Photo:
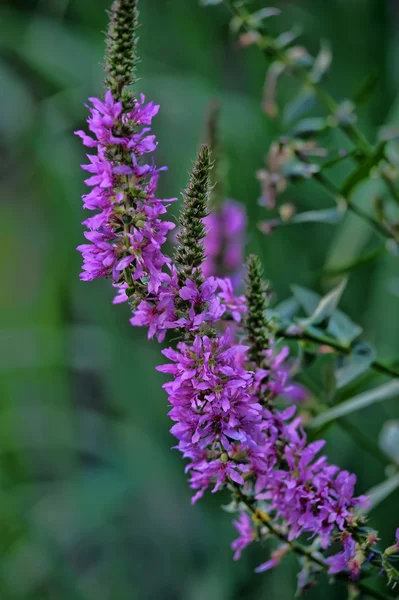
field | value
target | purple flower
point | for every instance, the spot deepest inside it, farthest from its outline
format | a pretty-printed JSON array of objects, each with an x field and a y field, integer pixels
[
  {"x": 277, "y": 555},
  {"x": 212, "y": 406},
  {"x": 348, "y": 559},
  {"x": 246, "y": 534},
  {"x": 234, "y": 305},
  {"x": 127, "y": 233},
  {"x": 225, "y": 241}
]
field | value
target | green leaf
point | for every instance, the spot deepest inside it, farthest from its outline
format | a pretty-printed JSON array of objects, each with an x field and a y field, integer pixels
[
  {"x": 381, "y": 491},
  {"x": 362, "y": 260},
  {"x": 340, "y": 325},
  {"x": 299, "y": 106},
  {"x": 378, "y": 394},
  {"x": 391, "y": 573},
  {"x": 330, "y": 216},
  {"x": 264, "y": 13},
  {"x": 363, "y": 171},
  {"x": 327, "y": 306},
  {"x": 366, "y": 88},
  {"x": 388, "y": 133},
  {"x": 297, "y": 169},
  {"x": 287, "y": 37},
  {"x": 343, "y": 328},
  {"x": 322, "y": 63},
  {"x": 287, "y": 308},
  {"x": 355, "y": 364},
  {"x": 309, "y": 126},
  {"x": 306, "y": 298},
  {"x": 389, "y": 440}
]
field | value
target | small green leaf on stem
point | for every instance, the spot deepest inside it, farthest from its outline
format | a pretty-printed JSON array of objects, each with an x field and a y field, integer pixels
[{"x": 356, "y": 363}]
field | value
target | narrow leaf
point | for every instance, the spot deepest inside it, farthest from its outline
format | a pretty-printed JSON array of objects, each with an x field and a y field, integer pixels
[
  {"x": 389, "y": 440},
  {"x": 366, "y": 88},
  {"x": 355, "y": 364},
  {"x": 287, "y": 308},
  {"x": 322, "y": 63},
  {"x": 306, "y": 298},
  {"x": 299, "y": 106},
  {"x": 343, "y": 328},
  {"x": 329, "y": 216},
  {"x": 309, "y": 126},
  {"x": 340, "y": 325},
  {"x": 265, "y": 13},
  {"x": 378, "y": 394},
  {"x": 381, "y": 491},
  {"x": 327, "y": 305},
  {"x": 364, "y": 259},
  {"x": 363, "y": 171}
]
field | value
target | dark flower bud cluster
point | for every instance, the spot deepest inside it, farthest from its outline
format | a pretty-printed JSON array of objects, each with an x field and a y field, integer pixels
[{"x": 121, "y": 55}]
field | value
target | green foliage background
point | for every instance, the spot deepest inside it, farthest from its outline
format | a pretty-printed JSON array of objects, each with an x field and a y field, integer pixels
[{"x": 93, "y": 502}]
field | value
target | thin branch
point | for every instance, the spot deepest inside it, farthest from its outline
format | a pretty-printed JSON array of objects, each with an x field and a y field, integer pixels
[
  {"x": 302, "y": 550},
  {"x": 273, "y": 52},
  {"x": 326, "y": 340},
  {"x": 350, "y": 130}
]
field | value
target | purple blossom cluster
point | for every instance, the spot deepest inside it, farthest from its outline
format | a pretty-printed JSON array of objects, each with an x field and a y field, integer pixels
[
  {"x": 231, "y": 439},
  {"x": 127, "y": 232},
  {"x": 225, "y": 404},
  {"x": 222, "y": 424},
  {"x": 225, "y": 241}
]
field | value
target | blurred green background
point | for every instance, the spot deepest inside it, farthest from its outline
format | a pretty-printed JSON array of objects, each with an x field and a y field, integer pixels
[{"x": 93, "y": 501}]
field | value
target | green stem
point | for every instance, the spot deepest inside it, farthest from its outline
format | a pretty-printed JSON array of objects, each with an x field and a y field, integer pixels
[
  {"x": 381, "y": 228},
  {"x": 322, "y": 339},
  {"x": 378, "y": 227},
  {"x": 391, "y": 187},
  {"x": 302, "y": 550},
  {"x": 350, "y": 130},
  {"x": 271, "y": 51}
]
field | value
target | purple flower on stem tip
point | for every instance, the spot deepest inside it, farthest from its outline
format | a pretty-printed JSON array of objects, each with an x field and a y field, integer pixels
[
  {"x": 277, "y": 555},
  {"x": 127, "y": 233},
  {"x": 246, "y": 534},
  {"x": 349, "y": 559}
]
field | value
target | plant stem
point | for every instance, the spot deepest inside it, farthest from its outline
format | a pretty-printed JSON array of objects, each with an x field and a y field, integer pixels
[
  {"x": 326, "y": 340},
  {"x": 271, "y": 51},
  {"x": 391, "y": 187},
  {"x": 302, "y": 550},
  {"x": 378, "y": 227},
  {"x": 350, "y": 130}
]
